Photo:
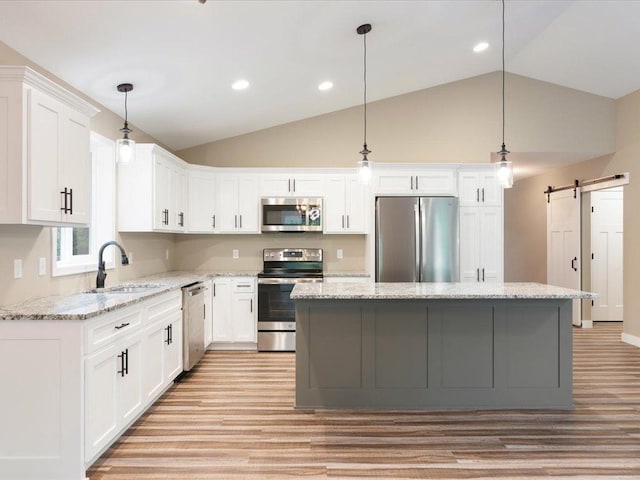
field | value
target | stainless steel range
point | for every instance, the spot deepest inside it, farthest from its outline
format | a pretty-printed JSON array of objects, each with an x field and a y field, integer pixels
[{"x": 283, "y": 268}]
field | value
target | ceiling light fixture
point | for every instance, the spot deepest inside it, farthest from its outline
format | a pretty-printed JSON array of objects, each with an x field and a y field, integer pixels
[
  {"x": 125, "y": 147},
  {"x": 504, "y": 168},
  {"x": 240, "y": 85},
  {"x": 480, "y": 47},
  {"x": 328, "y": 85},
  {"x": 365, "y": 163}
]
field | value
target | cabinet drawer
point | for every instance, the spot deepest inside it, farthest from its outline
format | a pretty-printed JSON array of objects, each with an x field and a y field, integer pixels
[
  {"x": 112, "y": 326},
  {"x": 243, "y": 286},
  {"x": 163, "y": 306}
]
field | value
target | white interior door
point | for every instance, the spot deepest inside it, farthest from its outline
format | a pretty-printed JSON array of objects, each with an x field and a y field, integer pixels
[
  {"x": 606, "y": 258},
  {"x": 563, "y": 244}
]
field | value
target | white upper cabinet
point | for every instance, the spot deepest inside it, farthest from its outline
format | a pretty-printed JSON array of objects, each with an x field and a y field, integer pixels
[
  {"x": 239, "y": 203},
  {"x": 344, "y": 205},
  {"x": 481, "y": 244},
  {"x": 414, "y": 180},
  {"x": 44, "y": 131},
  {"x": 298, "y": 185},
  {"x": 202, "y": 202},
  {"x": 479, "y": 186},
  {"x": 151, "y": 192}
]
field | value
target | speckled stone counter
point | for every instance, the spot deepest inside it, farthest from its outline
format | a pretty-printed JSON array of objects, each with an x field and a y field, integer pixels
[
  {"x": 346, "y": 274},
  {"x": 406, "y": 291},
  {"x": 430, "y": 345},
  {"x": 84, "y": 305}
]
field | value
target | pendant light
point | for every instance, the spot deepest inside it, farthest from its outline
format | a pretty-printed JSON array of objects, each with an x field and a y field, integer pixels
[
  {"x": 504, "y": 168},
  {"x": 365, "y": 164},
  {"x": 126, "y": 147}
]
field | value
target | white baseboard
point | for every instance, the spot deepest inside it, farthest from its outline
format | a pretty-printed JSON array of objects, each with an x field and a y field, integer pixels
[
  {"x": 630, "y": 339},
  {"x": 587, "y": 324},
  {"x": 233, "y": 346}
]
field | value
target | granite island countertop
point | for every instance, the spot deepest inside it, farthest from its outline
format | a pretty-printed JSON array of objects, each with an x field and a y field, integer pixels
[
  {"x": 426, "y": 291},
  {"x": 88, "y": 304}
]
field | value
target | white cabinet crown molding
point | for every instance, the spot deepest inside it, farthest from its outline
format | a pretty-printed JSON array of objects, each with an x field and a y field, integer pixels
[{"x": 30, "y": 77}]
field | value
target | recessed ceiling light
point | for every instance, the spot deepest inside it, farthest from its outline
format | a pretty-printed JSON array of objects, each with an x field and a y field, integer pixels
[
  {"x": 240, "y": 85},
  {"x": 481, "y": 47},
  {"x": 328, "y": 85}
]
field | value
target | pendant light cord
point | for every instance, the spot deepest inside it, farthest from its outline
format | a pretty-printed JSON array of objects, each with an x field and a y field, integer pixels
[
  {"x": 503, "y": 115},
  {"x": 126, "y": 115},
  {"x": 365, "y": 89}
]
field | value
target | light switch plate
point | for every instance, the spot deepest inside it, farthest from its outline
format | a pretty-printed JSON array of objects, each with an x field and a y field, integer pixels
[
  {"x": 235, "y": 253},
  {"x": 340, "y": 254},
  {"x": 166, "y": 254},
  {"x": 42, "y": 266},
  {"x": 17, "y": 268}
]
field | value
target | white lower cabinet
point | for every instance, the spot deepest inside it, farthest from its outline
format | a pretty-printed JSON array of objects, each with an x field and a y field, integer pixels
[
  {"x": 131, "y": 368},
  {"x": 208, "y": 307},
  {"x": 481, "y": 244},
  {"x": 234, "y": 312}
]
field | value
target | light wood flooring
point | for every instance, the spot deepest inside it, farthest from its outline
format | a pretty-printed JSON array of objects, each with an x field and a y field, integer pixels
[{"x": 233, "y": 418}]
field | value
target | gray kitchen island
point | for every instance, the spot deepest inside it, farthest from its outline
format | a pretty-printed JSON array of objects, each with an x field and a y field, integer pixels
[{"x": 433, "y": 345}]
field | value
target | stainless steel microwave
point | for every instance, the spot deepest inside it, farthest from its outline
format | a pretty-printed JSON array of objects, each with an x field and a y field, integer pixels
[{"x": 291, "y": 214}]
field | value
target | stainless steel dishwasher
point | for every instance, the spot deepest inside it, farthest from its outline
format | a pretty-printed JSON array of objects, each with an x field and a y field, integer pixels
[{"x": 193, "y": 314}]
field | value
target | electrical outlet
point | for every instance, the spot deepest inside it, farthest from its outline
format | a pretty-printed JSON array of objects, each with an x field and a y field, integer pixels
[
  {"x": 340, "y": 254},
  {"x": 130, "y": 257},
  {"x": 235, "y": 253},
  {"x": 42, "y": 266},
  {"x": 166, "y": 254},
  {"x": 17, "y": 268}
]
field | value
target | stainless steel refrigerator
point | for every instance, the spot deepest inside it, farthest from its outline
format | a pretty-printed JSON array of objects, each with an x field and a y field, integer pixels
[{"x": 417, "y": 239}]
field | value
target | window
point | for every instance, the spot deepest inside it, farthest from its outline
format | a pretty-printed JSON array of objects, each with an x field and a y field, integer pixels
[{"x": 75, "y": 249}]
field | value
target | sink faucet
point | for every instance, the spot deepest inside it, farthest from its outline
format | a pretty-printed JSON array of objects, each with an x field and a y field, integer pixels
[{"x": 102, "y": 274}]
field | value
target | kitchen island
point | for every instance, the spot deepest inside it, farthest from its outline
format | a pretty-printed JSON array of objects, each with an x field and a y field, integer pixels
[{"x": 433, "y": 345}]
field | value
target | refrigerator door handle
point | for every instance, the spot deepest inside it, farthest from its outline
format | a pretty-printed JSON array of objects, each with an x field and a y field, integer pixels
[
  {"x": 477, "y": 274},
  {"x": 418, "y": 235}
]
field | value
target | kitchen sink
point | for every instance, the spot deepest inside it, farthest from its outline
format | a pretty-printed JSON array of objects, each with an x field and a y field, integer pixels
[{"x": 124, "y": 289}]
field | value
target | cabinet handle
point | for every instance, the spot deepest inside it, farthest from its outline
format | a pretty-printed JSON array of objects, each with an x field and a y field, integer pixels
[
  {"x": 477, "y": 195},
  {"x": 243, "y": 285},
  {"x": 342, "y": 221},
  {"x": 121, "y": 371},
  {"x": 477, "y": 274},
  {"x": 214, "y": 289},
  {"x": 251, "y": 305},
  {"x": 168, "y": 340},
  {"x": 122, "y": 325},
  {"x": 483, "y": 274},
  {"x": 347, "y": 221},
  {"x": 126, "y": 361},
  {"x": 170, "y": 333},
  {"x": 482, "y": 194},
  {"x": 64, "y": 193},
  {"x": 294, "y": 185},
  {"x": 411, "y": 182},
  {"x": 235, "y": 218},
  {"x": 240, "y": 221},
  {"x": 204, "y": 311},
  {"x": 181, "y": 219},
  {"x": 213, "y": 221},
  {"x": 416, "y": 182},
  {"x": 71, "y": 201},
  {"x": 289, "y": 187},
  {"x": 575, "y": 259}
]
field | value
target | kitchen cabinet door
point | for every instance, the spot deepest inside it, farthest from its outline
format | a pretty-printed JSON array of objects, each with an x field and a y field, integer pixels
[
  {"x": 491, "y": 245},
  {"x": 479, "y": 187},
  {"x": 394, "y": 181},
  {"x": 491, "y": 193},
  {"x": 355, "y": 197},
  {"x": 101, "y": 400},
  {"x": 153, "y": 354},
  {"x": 177, "y": 193},
  {"x": 46, "y": 123},
  {"x": 275, "y": 185},
  {"x": 228, "y": 201},
  {"x": 75, "y": 168},
  {"x": 469, "y": 244},
  {"x": 335, "y": 205},
  {"x": 173, "y": 361},
  {"x": 162, "y": 194},
  {"x": 208, "y": 304},
  {"x": 430, "y": 181},
  {"x": 201, "y": 214},
  {"x": 243, "y": 311},
  {"x": 222, "y": 325},
  {"x": 130, "y": 398},
  {"x": 248, "y": 205},
  {"x": 308, "y": 185}
]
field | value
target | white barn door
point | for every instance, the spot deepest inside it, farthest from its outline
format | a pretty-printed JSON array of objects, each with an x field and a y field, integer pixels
[
  {"x": 563, "y": 244},
  {"x": 606, "y": 248}
]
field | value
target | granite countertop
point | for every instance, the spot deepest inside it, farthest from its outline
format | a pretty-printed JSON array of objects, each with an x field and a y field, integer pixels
[
  {"x": 452, "y": 291},
  {"x": 88, "y": 304}
]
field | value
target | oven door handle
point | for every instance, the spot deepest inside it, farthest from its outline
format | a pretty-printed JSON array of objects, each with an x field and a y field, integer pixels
[{"x": 287, "y": 281}]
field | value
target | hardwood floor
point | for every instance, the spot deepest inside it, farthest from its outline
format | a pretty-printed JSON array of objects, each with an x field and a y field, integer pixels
[{"x": 233, "y": 418}]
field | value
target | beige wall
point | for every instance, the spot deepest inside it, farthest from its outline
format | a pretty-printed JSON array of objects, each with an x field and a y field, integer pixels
[
  {"x": 456, "y": 122},
  {"x": 525, "y": 213},
  {"x": 29, "y": 243},
  {"x": 205, "y": 252}
]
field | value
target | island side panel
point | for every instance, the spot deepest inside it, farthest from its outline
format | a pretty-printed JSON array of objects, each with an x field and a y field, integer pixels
[{"x": 434, "y": 354}]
